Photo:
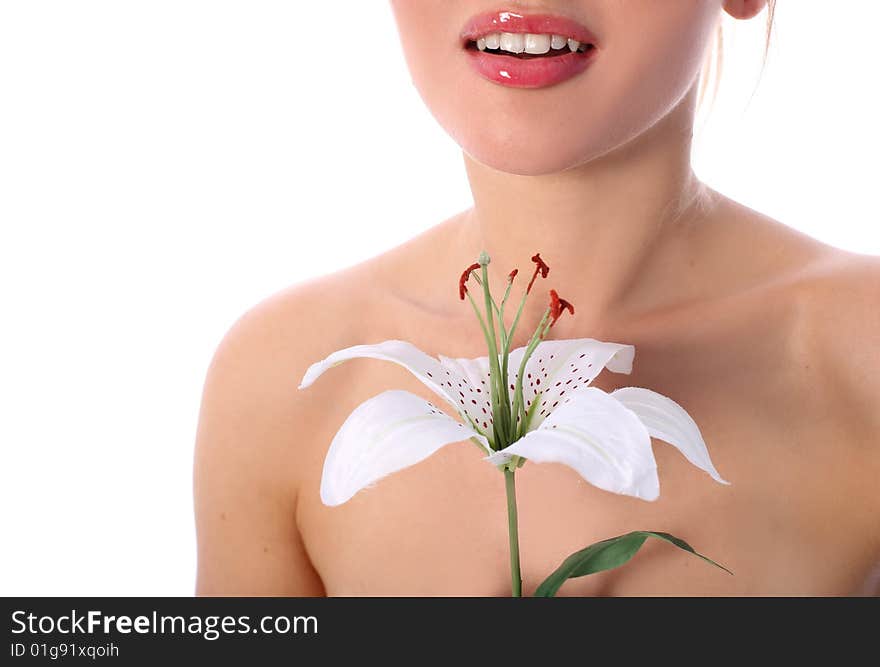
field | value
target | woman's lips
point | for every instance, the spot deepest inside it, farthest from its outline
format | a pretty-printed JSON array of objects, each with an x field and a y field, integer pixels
[
  {"x": 535, "y": 71},
  {"x": 531, "y": 73}
]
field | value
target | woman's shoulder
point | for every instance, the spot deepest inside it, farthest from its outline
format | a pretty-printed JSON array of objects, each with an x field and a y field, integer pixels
[
  {"x": 829, "y": 377},
  {"x": 255, "y": 435},
  {"x": 834, "y": 292},
  {"x": 251, "y": 407},
  {"x": 264, "y": 354},
  {"x": 819, "y": 305},
  {"x": 841, "y": 297},
  {"x": 827, "y": 300}
]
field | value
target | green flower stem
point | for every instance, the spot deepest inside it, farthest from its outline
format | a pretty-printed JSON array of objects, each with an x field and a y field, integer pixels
[
  {"x": 513, "y": 532},
  {"x": 530, "y": 413},
  {"x": 498, "y": 383},
  {"x": 516, "y": 320},
  {"x": 509, "y": 416},
  {"x": 505, "y": 355},
  {"x": 507, "y": 343},
  {"x": 479, "y": 317},
  {"x": 509, "y": 424},
  {"x": 504, "y": 302},
  {"x": 518, "y": 407},
  {"x": 504, "y": 396},
  {"x": 492, "y": 438},
  {"x": 502, "y": 329}
]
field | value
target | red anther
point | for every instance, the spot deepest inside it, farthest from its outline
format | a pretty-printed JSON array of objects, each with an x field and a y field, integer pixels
[
  {"x": 566, "y": 305},
  {"x": 462, "y": 290},
  {"x": 555, "y": 308},
  {"x": 512, "y": 275},
  {"x": 558, "y": 306},
  {"x": 539, "y": 266}
]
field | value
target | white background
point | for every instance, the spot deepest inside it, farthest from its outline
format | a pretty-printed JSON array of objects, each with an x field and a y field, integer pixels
[{"x": 164, "y": 165}]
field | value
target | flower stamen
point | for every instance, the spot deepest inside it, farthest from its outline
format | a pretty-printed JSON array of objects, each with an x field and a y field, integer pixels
[
  {"x": 462, "y": 290},
  {"x": 540, "y": 266},
  {"x": 557, "y": 306}
]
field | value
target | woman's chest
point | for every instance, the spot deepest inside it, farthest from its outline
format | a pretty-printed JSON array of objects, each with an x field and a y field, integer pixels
[
  {"x": 785, "y": 526},
  {"x": 792, "y": 522}
]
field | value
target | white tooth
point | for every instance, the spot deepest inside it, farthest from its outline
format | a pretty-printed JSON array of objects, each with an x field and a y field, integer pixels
[
  {"x": 493, "y": 41},
  {"x": 481, "y": 44},
  {"x": 558, "y": 41},
  {"x": 537, "y": 43},
  {"x": 573, "y": 44},
  {"x": 515, "y": 42}
]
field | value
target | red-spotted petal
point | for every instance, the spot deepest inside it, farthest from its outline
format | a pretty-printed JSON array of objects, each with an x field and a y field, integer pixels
[
  {"x": 557, "y": 368},
  {"x": 593, "y": 433}
]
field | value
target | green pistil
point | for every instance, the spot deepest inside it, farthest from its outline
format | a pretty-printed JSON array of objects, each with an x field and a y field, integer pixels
[
  {"x": 516, "y": 319},
  {"x": 518, "y": 403},
  {"x": 505, "y": 354},
  {"x": 499, "y": 422},
  {"x": 491, "y": 436},
  {"x": 530, "y": 413},
  {"x": 508, "y": 339},
  {"x": 504, "y": 300},
  {"x": 502, "y": 399}
]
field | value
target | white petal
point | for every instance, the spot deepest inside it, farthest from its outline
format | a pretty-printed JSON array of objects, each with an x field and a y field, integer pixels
[
  {"x": 606, "y": 443},
  {"x": 666, "y": 420},
  {"x": 384, "y": 434},
  {"x": 558, "y": 367},
  {"x": 425, "y": 367},
  {"x": 469, "y": 380}
]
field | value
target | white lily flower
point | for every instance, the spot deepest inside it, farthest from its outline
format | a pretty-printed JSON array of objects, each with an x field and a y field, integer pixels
[
  {"x": 532, "y": 403},
  {"x": 605, "y": 437}
]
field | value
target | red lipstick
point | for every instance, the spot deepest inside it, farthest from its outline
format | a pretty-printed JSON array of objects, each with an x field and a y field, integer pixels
[{"x": 527, "y": 70}]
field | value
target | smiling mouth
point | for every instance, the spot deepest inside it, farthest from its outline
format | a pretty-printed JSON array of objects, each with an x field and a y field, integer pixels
[{"x": 552, "y": 53}]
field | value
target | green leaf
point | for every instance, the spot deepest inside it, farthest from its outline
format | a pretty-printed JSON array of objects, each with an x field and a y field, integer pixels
[{"x": 606, "y": 555}]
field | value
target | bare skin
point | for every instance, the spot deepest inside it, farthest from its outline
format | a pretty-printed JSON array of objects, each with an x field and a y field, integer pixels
[
  {"x": 779, "y": 371},
  {"x": 768, "y": 338}
]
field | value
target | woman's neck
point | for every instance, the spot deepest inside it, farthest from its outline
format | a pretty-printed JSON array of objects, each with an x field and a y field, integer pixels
[{"x": 599, "y": 226}]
